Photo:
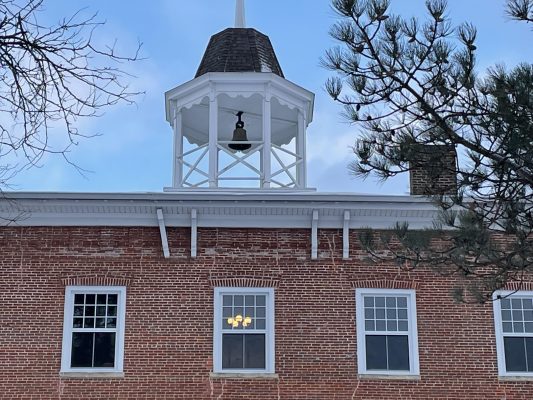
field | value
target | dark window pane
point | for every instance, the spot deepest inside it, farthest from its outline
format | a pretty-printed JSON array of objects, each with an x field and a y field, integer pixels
[
  {"x": 227, "y": 312},
  {"x": 376, "y": 352},
  {"x": 232, "y": 351},
  {"x": 515, "y": 354},
  {"x": 100, "y": 299},
  {"x": 380, "y": 301},
  {"x": 100, "y": 322},
  {"x": 89, "y": 323},
  {"x": 111, "y": 322},
  {"x": 238, "y": 300},
  {"x": 89, "y": 311},
  {"x": 505, "y": 304},
  {"x": 369, "y": 302},
  {"x": 506, "y": 315},
  {"x": 82, "y": 350},
  {"x": 90, "y": 298},
  {"x": 507, "y": 327},
  {"x": 391, "y": 302},
  {"x": 78, "y": 323},
  {"x": 104, "y": 350},
  {"x": 254, "y": 351},
  {"x": 78, "y": 311},
  {"x": 79, "y": 299},
  {"x": 517, "y": 315},
  {"x": 100, "y": 311},
  {"x": 249, "y": 312},
  {"x": 260, "y": 300},
  {"x": 392, "y": 326},
  {"x": 260, "y": 323},
  {"x": 249, "y": 300},
  {"x": 227, "y": 301},
  {"x": 402, "y": 302},
  {"x": 112, "y": 299},
  {"x": 529, "y": 354},
  {"x": 398, "y": 353},
  {"x": 111, "y": 310}
]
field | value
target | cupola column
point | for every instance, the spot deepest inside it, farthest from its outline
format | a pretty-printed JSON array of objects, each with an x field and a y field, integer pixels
[
  {"x": 178, "y": 148},
  {"x": 213, "y": 139},
  {"x": 267, "y": 140},
  {"x": 300, "y": 149}
]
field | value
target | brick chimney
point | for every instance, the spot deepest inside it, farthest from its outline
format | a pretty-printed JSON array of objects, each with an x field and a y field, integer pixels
[{"x": 434, "y": 172}]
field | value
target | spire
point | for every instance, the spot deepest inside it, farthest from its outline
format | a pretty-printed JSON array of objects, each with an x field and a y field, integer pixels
[{"x": 240, "y": 21}]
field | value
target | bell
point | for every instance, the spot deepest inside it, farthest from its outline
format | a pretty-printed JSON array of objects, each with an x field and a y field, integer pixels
[{"x": 239, "y": 135}]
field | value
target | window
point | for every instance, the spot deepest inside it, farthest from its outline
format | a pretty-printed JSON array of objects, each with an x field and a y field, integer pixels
[
  {"x": 387, "y": 342},
  {"x": 93, "y": 330},
  {"x": 513, "y": 317},
  {"x": 244, "y": 330}
]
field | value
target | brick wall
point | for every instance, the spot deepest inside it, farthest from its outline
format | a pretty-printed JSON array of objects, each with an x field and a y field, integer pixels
[
  {"x": 168, "y": 344},
  {"x": 433, "y": 171}
]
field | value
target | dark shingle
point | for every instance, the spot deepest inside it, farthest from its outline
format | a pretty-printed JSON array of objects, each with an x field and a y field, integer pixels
[{"x": 239, "y": 50}]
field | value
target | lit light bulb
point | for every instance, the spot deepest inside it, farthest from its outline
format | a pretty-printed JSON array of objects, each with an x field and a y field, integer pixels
[
  {"x": 245, "y": 324},
  {"x": 230, "y": 321},
  {"x": 238, "y": 318},
  {"x": 247, "y": 320},
  {"x": 235, "y": 324}
]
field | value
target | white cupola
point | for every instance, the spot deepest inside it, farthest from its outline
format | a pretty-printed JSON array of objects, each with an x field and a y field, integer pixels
[{"x": 239, "y": 123}]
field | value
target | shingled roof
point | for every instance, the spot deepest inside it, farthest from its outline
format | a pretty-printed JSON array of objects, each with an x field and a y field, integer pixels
[{"x": 239, "y": 50}]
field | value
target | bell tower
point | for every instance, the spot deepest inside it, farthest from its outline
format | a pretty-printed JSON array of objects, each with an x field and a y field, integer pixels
[{"x": 239, "y": 124}]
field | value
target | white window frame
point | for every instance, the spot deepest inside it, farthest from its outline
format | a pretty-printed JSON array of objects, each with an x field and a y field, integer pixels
[
  {"x": 500, "y": 348},
  {"x": 412, "y": 332},
  {"x": 269, "y": 331},
  {"x": 70, "y": 292}
]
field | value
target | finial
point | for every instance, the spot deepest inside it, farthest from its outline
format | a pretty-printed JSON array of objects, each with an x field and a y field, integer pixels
[{"x": 239, "y": 15}]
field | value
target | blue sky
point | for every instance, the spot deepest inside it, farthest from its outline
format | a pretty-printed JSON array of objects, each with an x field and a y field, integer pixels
[{"x": 133, "y": 151}]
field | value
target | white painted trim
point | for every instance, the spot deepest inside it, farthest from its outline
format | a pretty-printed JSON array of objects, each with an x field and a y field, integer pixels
[
  {"x": 346, "y": 235},
  {"x": 412, "y": 333},
  {"x": 270, "y": 341},
  {"x": 499, "y": 335},
  {"x": 219, "y": 209},
  {"x": 314, "y": 235},
  {"x": 163, "y": 233},
  {"x": 70, "y": 291},
  {"x": 194, "y": 233}
]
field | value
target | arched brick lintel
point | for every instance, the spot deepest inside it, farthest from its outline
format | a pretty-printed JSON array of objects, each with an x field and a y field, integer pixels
[
  {"x": 96, "y": 280},
  {"x": 385, "y": 284}
]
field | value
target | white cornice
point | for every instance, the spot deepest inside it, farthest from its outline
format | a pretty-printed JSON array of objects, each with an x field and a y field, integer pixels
[
  {"x": 216, "y": 209},
  {"x": 200, "y": 87}
]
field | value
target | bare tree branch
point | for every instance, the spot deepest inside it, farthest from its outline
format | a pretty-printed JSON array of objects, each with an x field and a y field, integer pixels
[{"x": 50, "y": 78}]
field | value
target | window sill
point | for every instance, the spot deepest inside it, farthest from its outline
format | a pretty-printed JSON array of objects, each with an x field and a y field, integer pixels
[
  {"x": 390, "y": 377},
  {"x": 91, "y": 375},
  {"x": 233, "y": 375},
  {"x": 511, "y": 378}
]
